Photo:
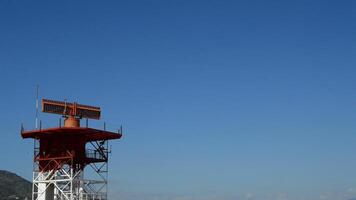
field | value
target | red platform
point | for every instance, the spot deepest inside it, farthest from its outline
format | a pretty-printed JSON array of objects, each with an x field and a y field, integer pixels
[
  {"x": 67, "y": 145},
  {"x": 89, "y": 134}
]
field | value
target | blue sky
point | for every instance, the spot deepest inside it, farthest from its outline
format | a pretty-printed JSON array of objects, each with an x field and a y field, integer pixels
[{"x": 250, "y": 100}]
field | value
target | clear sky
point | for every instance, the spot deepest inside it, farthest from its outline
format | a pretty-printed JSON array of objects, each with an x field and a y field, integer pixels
[{"x": 220, "y": 100}]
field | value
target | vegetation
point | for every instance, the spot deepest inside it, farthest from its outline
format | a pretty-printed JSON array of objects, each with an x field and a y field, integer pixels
[{"x": 14, "y": 187}]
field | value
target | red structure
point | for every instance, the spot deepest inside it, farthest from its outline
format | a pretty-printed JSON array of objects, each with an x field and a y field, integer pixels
[{"x": 68, "y": 149}]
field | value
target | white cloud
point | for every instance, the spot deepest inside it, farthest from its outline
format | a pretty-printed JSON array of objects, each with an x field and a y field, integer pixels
[
  {"x": 249, "y": 196},
  {"x": 328, "y": 195}
]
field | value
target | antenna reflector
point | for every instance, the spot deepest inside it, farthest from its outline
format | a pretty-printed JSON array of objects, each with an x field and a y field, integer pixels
[{"x": 74, "y": 109}]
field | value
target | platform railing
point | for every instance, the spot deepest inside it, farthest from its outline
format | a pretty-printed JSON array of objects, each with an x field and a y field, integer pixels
[
  {"x": 96, "y": 154},
  {"x": 60, "y": 125}
]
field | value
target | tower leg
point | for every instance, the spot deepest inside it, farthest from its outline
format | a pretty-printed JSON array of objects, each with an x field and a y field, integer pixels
[{"x": 43, "y": 189}]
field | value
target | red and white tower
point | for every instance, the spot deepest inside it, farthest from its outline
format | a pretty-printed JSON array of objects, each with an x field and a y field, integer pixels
[{"x": 70, "y": 161}]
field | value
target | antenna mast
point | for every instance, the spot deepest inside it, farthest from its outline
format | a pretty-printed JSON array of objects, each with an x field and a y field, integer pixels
[{"x": 36, "y": 121}]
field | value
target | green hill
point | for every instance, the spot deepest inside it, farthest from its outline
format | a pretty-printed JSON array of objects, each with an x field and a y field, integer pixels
[{"x": 14, "y": 187}]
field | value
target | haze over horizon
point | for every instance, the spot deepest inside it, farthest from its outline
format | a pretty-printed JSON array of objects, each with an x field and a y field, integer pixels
[{"x": 219, "y": 100}]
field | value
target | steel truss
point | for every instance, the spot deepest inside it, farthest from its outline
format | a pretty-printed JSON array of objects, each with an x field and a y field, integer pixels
[{"x": 58, "y": 180}]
